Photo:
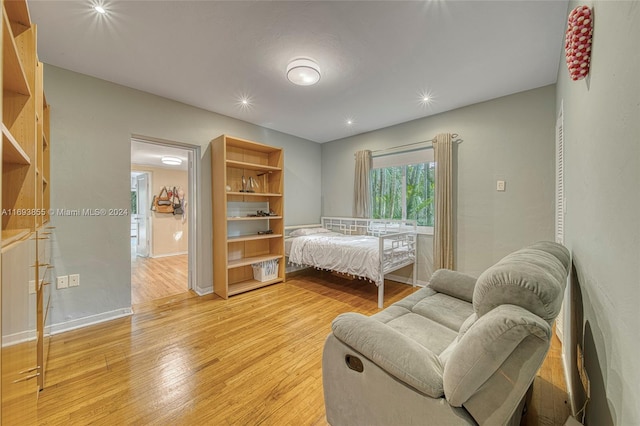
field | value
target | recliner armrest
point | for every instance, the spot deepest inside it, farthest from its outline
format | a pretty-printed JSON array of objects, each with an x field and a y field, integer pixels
[
  {"x": 398, "y": 355},
  {"x": 453, "y": 283}
]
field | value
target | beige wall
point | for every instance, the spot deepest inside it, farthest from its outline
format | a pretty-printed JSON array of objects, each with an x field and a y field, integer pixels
[{"x": 169, "y": 233}]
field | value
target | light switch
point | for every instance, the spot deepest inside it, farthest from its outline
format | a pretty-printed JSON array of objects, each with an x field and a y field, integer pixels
[{"x": 500, "y": 185}]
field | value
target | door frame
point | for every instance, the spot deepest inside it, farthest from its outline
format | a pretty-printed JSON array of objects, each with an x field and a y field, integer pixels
[{"x": 193, "y": 171}]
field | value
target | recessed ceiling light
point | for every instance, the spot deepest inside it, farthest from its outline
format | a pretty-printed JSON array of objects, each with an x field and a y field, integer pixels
[
  {"x": 303, "y": 71},
  {"x": 425, "y": 98},
  {"x": 100, "y": 9},
  {"x": 349, "y": 121},
  {"x": 171, "y": 161},
  {"x": 244, "y": 102}
]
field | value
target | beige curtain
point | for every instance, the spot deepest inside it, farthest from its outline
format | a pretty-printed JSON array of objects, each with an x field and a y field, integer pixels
[
  {"x": 443, "y": 229},
  {"x": 361, "y": 187}
]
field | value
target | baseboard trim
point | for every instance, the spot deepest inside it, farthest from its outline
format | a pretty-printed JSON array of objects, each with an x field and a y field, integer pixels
[
  {"x": 203, "y": 292},
  {"x": 90, "y": 320},
  {"x": 405, "y": 280},
  {"x": 180, "y": 253},
  {"x": 20, "y": 337}
]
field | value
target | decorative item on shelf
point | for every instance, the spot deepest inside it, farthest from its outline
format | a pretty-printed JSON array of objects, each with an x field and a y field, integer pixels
[
  {"x": 268, "y": 231},
  {"x": 252, "y": 185},
  {"x": 249, "y": 185},
  {"x": 578, "y": 42}
]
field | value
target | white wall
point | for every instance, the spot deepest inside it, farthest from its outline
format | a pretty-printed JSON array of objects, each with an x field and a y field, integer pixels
[
  {"x": 510, "y": 138},
  {"x": 91, "y": 126},
  {"x": 602, "y": 181}
]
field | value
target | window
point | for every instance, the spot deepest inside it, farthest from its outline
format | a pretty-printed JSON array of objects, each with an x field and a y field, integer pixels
[{"x": 402, "y": 187}]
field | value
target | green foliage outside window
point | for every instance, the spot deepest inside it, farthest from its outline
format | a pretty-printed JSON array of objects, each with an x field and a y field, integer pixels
[
  {"x": 404, "y": 192},
  {"x": 134, "y": 202}
]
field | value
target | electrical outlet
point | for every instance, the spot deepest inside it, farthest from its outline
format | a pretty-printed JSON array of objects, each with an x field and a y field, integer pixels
[
  {"x": 74, "y": 280},
  {"x": 586, "y": 383},
  {"x": 500, "y": 185},
  {"x": 32, "y": 287},
  {"x": 582, "y": 372},
  {"x": 63, "y": 281}
]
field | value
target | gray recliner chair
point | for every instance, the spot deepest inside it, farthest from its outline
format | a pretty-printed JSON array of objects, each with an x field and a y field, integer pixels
[{"x": 459, "y": 351}]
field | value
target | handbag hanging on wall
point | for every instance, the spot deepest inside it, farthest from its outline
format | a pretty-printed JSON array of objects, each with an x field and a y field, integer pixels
[
  {"x": 163, "y": 203},
  {"x": 177, "y": 203}
]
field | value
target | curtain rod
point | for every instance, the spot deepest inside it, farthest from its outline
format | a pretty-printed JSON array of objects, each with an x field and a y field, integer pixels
[{"x": 453, "y": 136}]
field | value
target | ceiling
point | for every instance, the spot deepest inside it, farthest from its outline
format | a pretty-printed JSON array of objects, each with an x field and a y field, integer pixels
[
  {"x": 150, "y": 154},
  {"x": 378, "y": 59}
]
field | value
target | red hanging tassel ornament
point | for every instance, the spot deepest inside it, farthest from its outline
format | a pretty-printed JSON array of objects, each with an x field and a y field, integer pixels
[{"x": 578, "y": 42}]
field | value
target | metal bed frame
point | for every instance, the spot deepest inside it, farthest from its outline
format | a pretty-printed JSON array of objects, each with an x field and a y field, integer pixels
[{"x": 396, "y": 238}]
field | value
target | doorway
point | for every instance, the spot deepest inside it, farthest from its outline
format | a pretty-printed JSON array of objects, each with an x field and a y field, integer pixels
[
  {"x": 140, "y": 212},
  {"x": 162, "y": 238}
]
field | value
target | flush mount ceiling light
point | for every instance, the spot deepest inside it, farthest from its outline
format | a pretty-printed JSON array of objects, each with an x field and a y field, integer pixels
[
  {"x": 100, "y": 9},
  {"x": 303, "y": 71},
  {"x": 171, "y": 161}
]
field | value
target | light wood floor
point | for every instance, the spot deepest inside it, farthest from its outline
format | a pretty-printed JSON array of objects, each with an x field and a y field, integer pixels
[
  {"x": 189, "y": 360},
  {"x": 154, "y": 278},
  {"x": 549, "y": 405}
]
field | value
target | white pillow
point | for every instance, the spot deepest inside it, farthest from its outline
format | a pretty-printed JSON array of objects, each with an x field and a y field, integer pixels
[{"x": 307, "y": 231}]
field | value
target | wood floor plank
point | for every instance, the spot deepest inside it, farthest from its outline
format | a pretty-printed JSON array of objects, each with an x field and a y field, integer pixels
[
  {"x": 185, "y": 360},
  {"x": 155, "y": 278}
]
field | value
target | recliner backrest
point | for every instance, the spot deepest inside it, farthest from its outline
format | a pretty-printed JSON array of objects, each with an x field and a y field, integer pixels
[{"x": 533, "y": 278}]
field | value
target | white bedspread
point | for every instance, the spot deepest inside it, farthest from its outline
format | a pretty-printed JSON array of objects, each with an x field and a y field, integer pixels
[{"x": 350, "y": 254}]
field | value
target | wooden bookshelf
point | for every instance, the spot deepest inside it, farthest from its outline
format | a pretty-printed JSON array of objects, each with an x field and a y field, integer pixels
[
  {"x": 25, "y": 181},
  {"x": 235, "y": 162}
]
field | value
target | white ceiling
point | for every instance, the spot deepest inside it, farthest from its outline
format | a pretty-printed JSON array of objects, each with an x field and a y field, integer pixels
[
  {"x": 376, "y": 57},
  {"x": 149, "y": 154}
]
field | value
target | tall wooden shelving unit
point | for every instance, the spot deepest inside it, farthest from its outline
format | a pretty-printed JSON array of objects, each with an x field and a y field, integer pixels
[
  {"x": 238, "y": 234},
  {"x": 25, "y": 236}
]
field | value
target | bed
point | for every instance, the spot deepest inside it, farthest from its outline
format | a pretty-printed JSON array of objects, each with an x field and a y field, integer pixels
[{"x": 364, "y": 248}]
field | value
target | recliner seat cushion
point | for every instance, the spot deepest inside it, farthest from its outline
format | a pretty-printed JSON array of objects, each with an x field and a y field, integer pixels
[
  {"x": 430, "y": 334},
  {"x": 445, "y": 310}
]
